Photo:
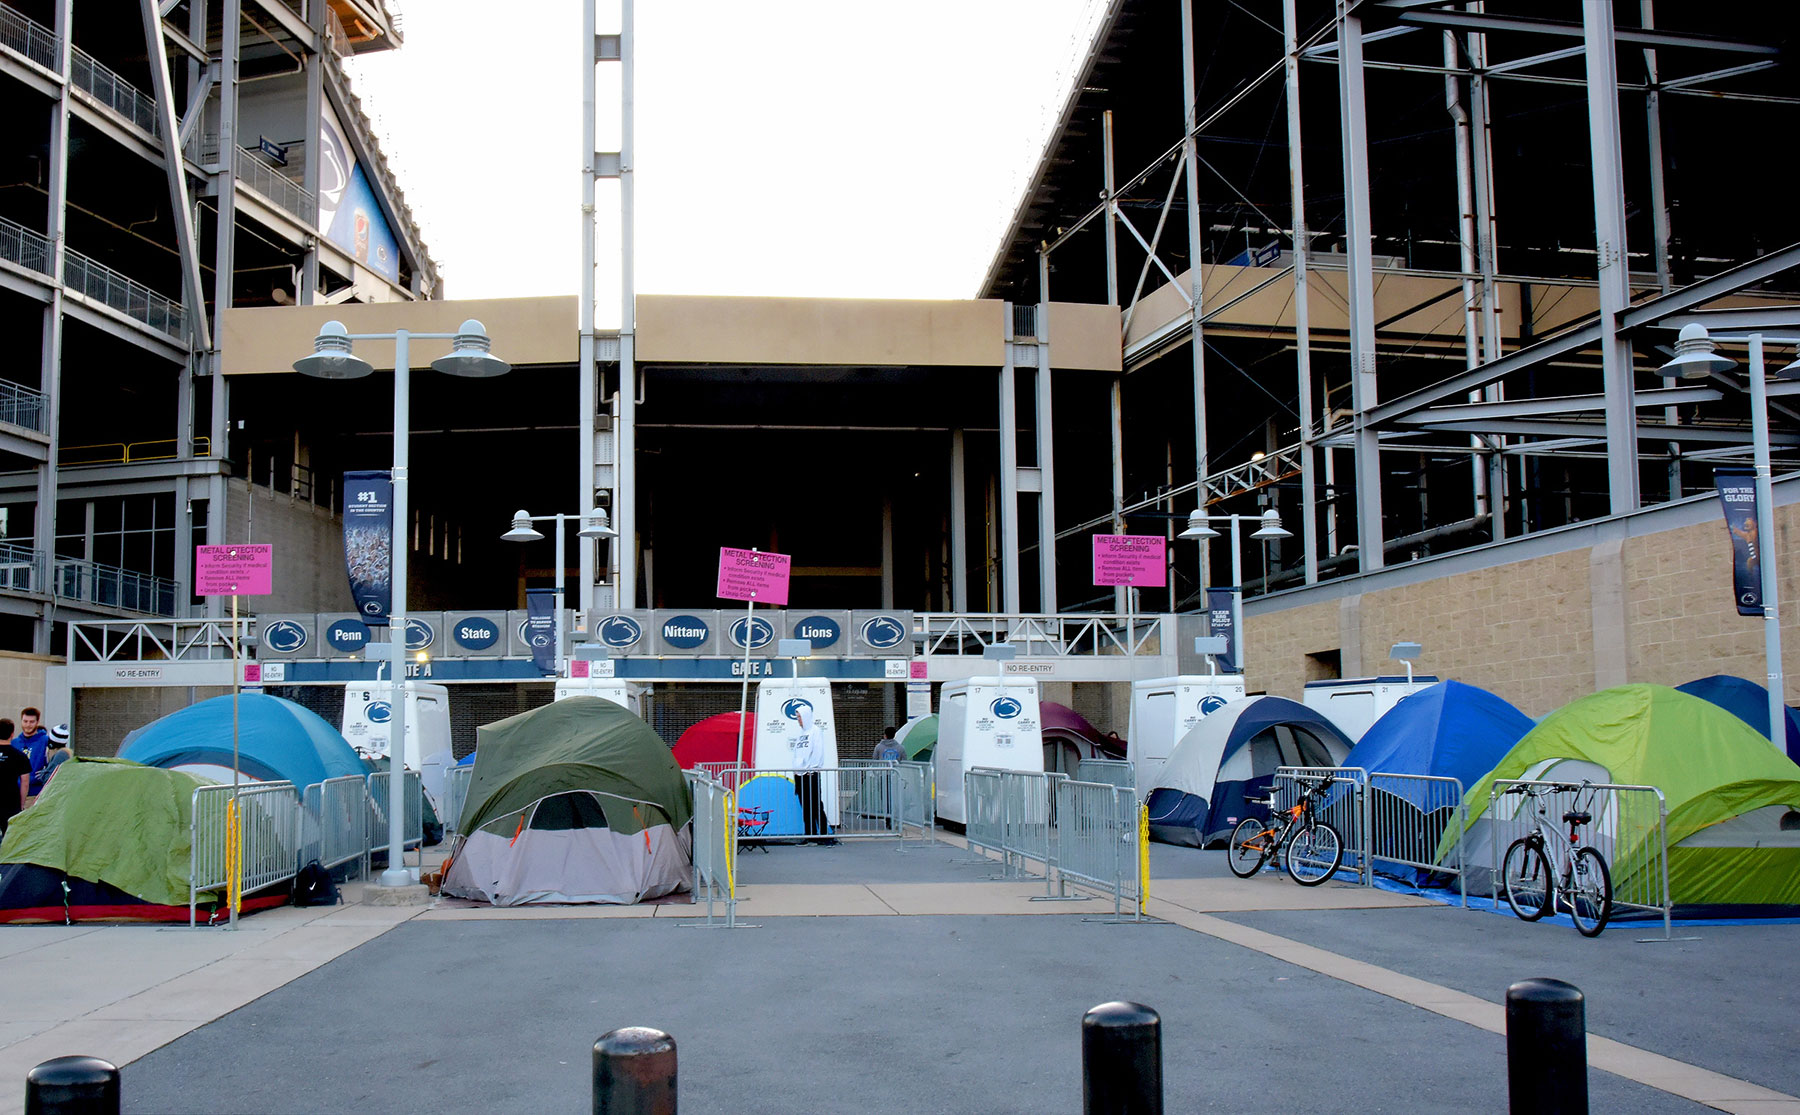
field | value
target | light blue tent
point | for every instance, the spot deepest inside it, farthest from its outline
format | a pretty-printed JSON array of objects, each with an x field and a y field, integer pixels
[
  {"x": 277, "y": 741},
  {"x": 1747, "y": 701}
]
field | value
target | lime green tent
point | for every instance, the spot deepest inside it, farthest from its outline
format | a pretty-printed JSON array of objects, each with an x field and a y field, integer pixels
[
  {"x": 1733, "y": 833},
  {"x": 918, "y": 738},
  {"x": 575, "y": 801}
]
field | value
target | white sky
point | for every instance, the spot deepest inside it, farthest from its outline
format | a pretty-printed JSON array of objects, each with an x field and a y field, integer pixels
[{"x": 846, "y": 148}]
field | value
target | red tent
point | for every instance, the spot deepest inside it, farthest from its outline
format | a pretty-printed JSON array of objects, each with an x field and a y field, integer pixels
[{"x": 715, "y": 740}]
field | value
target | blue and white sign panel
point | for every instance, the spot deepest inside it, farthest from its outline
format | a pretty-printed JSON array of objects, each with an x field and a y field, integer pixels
[
  {"x": 369, "y": 542},
  {"x": 287, "y": 637},
  {"x": 343, "y": 635},
  {"x": 475, "y": 634},
  {"x": 885, "y": 634},
  {"x": 829, "y": 632},
  {"x": 683, "y": 631},
  {"x": 751, "y": 632},
  {"x": 540, "y": 628},
  {"x": 621, "y": 632}
]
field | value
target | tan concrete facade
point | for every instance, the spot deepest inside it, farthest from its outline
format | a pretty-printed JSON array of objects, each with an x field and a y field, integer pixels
[
  {"x": 1647, "y": 606},
  {"x": 22, "y": 678}
]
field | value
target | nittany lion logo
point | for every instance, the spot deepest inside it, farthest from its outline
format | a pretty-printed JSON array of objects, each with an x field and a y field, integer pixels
[
  {"x": 620, "y": 632},
  {"x": 379, "y": 713},
  {"x": 284, "y": 635},
  {"x": 793, "y": 705},
  {"x": 1211, "y": 703},
  {"x": 883, "y": 632},
  {"x": 1006, "y": 707}
]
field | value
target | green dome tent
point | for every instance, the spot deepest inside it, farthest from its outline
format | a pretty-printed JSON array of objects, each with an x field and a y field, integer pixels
[
  {"x": 918, "y": 738},
  {"x": 575, "y": 801},
  {"x": 1733, "y": 835}
]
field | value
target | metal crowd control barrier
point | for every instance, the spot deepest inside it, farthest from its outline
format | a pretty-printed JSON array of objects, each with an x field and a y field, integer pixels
[
  {"x": 1099, "y": 842},
  {"x": 334, "y": 819},
  {"x": 1407, "y": 817},
  {"x": 413, "y": 830},
  {"x": 714, "y": 847},
  {"x": 1025, "y": 831},
  {"x": 918, "y": 805},
  {"x": 1111, "y": 772},
  {"x": 456, "y": 792},
  {"x": 868, "y": 798},
  {"x": 1630, "y": 828},
  {"x": 261, "y": 852},
  {"x": 1345, "y": 808},
  {"x": 984, "y": 810}
]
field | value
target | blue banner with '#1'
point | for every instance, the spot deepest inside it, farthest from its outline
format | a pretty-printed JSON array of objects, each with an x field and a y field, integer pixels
[
  {"x": 540, "y": 627},
  {"x": 369, "y": 543},
  {"x": 1737, "y": 491}
]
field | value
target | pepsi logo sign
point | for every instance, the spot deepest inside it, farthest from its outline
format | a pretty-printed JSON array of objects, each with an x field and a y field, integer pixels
[{"x": 284, "y": 636}]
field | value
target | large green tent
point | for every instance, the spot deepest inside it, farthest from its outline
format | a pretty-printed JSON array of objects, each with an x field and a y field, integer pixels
[
  {"x": 1733, "y": 834},
  {"x": 575, "y": 801},
  {"x": 918, "y": 738}
]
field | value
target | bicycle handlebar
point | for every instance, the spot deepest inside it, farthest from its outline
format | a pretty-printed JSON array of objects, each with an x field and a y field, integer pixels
[{"x": 1551, "y": 788}]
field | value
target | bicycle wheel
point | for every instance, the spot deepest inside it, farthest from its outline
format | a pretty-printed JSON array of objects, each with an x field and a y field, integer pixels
[
  {"x": 1590, "y": 892},
  {"x": 1248, "y": 849},
  {"x": 1527, "y": 875},
  {"x": 1313, "y": 854}
]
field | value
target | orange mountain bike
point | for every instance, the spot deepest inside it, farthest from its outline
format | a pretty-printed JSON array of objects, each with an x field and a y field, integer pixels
[{"x": 1309, "y": 848}]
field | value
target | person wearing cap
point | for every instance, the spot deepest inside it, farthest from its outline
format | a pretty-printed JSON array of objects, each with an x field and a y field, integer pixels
[
  {"x": 34, "y": 741},
  {"x": 58, "y": 753}
]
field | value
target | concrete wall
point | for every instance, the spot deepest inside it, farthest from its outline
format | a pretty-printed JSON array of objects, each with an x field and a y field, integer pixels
[
  {"x": 309, "y": 548},
  {"x": 1643, "y": 598},
  {"x": 22, "y": 682}
]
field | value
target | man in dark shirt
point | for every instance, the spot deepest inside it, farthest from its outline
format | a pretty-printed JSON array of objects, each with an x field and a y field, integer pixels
[{"x": 15, "y": 777}]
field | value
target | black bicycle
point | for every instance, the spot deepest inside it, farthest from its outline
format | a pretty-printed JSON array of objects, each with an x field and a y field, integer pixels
[
  {"x": 1310, "y": 849},
  {"x": 1544, "y": 868}
]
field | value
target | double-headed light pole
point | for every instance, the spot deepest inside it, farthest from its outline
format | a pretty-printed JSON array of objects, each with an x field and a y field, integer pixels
[
  {"x": 593, "y": 525},
  {"x": 332, "y": 358},
  {"x": 1269, "y": 529}
]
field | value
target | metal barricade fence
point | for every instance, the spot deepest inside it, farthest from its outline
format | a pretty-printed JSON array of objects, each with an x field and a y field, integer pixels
[
  {"x": 1110, "y": 772},
  {"x": 413, "y": 825},
  {"x": 1630, "y": 828},
  {"x": 867, "y": 799},
  {"x": 1344, "y": 808},
  {"x": 917, "y": 807},
  {"x": 714, "y": 845},
  {"x": 456, "y": 792},
  {"x": 1098, "y": 841},
  {"x": 984, "y": 808},
  {"x": 1408, "y": 815},
  {"x": 333, "y": 818},
  {"x": 1025, "y": 832},
  {"x": 268, "y": 838}
]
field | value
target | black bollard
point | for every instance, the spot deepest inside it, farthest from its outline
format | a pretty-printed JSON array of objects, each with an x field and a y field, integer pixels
[
  {"x": 1121, "y": 1060},
  {"x": 634, "y": 1072},
  {"x": 72, "y": 1086},
  {"x": 1546, "y": 1048}
]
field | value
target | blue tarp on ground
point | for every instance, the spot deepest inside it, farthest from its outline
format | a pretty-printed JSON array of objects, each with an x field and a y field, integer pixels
[
  {"x": 1747, "y": 701},
  {"x": 1450, "y": 730},
  {"x": 277, "y": 740}
]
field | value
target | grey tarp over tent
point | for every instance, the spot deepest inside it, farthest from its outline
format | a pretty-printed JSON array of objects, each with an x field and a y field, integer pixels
[{"x": 576, "y": 801}]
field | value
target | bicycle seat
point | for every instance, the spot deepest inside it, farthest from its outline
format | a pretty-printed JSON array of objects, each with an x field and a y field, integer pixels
[{"x": 1577, "y": 818}]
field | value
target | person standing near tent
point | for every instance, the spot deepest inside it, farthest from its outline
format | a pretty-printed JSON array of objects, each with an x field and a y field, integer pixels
[
  {"x": 889, "y": 747},
  {"x": 59, "y": 751},
  {"x": 35, "y": 743},
  {"x": 15, "y": 777},
  {"x": 809, "y": 759}
]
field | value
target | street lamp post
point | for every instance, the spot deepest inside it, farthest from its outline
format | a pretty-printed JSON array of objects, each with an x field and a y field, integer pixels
[
  {"x": 593, "y": 525},
  {"x": 1269, "y": 530},
  {"x": 332, "y": 359},
  {"x": 1696, "y": 357}
]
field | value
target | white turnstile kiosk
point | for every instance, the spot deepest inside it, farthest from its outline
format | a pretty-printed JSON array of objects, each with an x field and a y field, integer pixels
[
  {"x": 984, "y": 722},
  {"x": 1163, "y": 710}
]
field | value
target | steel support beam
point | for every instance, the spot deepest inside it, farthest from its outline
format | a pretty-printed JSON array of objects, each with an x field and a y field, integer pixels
[
  {"x": 175, "y": 171},
  {"x": 625, "y": 443},
  {"x": 1534, "y": 427},
  {"x": 959, "y": 523},
  {"x": 1009, "y": 480},
  {"x": 1482, "y": 21},
  {"x": 1309, "y": 526},
  {"x": 587, "y": 370},
  {"x": 1196, "y": 329},
  {"x": 1562, "y": 404},
  {"x": 1360, "y": 279},
  {"x": 1614, "y": 274},
  {"x": 1046, "y": 447}
]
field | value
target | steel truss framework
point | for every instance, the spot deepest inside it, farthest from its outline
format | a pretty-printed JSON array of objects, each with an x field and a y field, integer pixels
[{"x": 1498, "y": 408}]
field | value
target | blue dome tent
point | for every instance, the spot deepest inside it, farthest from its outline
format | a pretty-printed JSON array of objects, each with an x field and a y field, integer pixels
[
  {"x": 277, "y": 741},
  {"x": 1747, "y": 701},
  {"x": 1232, "y": 755}
]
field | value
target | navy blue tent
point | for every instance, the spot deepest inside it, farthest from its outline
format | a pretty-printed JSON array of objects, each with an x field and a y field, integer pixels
[
  {"x": 1450, "y": 730},
  {"x": 1747, "y": 701},
  {"x": 1232, "y": 755},
  {"x": 277, "y": 741}
]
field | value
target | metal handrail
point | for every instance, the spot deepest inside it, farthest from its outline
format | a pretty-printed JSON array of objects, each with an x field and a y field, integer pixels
[
  {"x": 124, "y": 294},
  {"x": 128, "y": 453},
  {"x": 283, "y": 191},
  {"x": 29, "y": 37},
  {"x": 1049, "y": 635},
  {"x": 21, "y": 406},
  {"x": 113, "y": 586},
  {"x": 21, "y": 245},
  {"x": 93, "y": 76},
  {"x": 21, "y": 568}
]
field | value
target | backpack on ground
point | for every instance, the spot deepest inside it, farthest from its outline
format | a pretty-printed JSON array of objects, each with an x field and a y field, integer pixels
[{"x": 313, "y": 886}]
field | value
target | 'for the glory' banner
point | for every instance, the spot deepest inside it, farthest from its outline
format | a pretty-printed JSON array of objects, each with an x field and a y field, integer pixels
[
  {"x": 1737, "y": 491},
  {"x": 369, "y": 543}
]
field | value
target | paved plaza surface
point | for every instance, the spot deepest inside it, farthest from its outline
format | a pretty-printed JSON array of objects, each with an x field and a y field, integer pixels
[{"x": 887, "y": 981}]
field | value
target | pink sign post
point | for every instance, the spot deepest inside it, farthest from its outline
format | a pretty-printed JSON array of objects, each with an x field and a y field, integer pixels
[
  {"x": 1133, "y": 561},
  {"x": 751, "y": 575},
  {"x": 243, "y": 570}
]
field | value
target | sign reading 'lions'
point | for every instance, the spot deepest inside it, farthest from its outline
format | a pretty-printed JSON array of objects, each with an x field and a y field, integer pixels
[
  {"x": 684, "y": 631},
  {"x": 751, "y": 632},
  {"x": 284, "y": 636},
  {"x": 754, "y": 575},
  {"x": 821, "y": 631}
]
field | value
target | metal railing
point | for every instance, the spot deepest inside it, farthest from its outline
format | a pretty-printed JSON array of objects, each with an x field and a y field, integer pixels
[
  {"x": 867, "y": 799},
  {"x": 21, "y": 406},
  {"x": 714, "y": 846},
  {"x": 281, "y": 190},
  {"x": 1091, "y": 836},
  {"x": 1111, "y": 772},
  {"x": 1344, "y": 808},
  {"x": 178, "y": 640},
  {"x": 126, "y": 295},
  {"x": 92, "y": 75},
  {"x": 23, "y": 246},
  {"x": 413, "y": 795},
  {"x": 456, "y": 792},
  {"x": 984, "y": 810},
  {"x": 128, "y": 452},
  {"x": 1025, "y": 827},
  {"x": 268, "y": 838},
  {"x": 1407, "y": 816},
  {"x": 110, "y": 586},
  {"x": 336, "y": 812},
  {"x": 1099, "y": 841},
  {"x": 1037, "y": 636},
  {"x": 1630, "y": 828},
  {"x": 21, "y": 568},
  {"x": 917, "y": 798},
  {"x": 29, "y": 37}
]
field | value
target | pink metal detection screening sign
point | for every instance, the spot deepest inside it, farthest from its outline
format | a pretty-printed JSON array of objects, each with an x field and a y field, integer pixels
[
  {"x": 754, "y": 575},
  {"x": 1137, "y": 560},
  {"x": 243, "y": 570}
]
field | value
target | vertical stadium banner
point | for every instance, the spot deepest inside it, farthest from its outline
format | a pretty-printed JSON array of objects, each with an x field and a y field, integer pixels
[
  {"x": 369, "y": 543},
  {"x": 540, "y": 627},
  {"x": 350, "y": 215},
  {"x": 1737, "y": 491},
  {"x": 1219, "y": 617}
]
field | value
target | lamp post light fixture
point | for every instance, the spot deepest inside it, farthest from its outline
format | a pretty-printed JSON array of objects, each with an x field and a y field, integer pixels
[
  {"x": 333, "y": 358},
  {"x": 1697, "y": 357},
  {"x": 1405, "y": 653},
  {"x": 1269, "y": 529},
  {"x": 593, "y": 525}
]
